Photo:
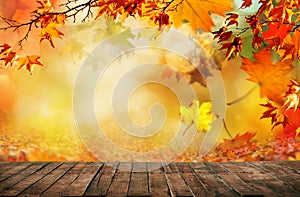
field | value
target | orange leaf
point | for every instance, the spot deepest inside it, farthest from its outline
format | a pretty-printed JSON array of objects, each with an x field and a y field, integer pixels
[
  {"x": 270, "y": 77},
  {"x": 9, "y": 59},
  {"x": 197, "y": 13},
  {"x": 291, "y": 45},
  {"x": 50, "y": 32},
  {"x": 29, "y": 62},
  {"x": 5, "y": 49},
  {"x": 276, "y": 31},
  {"x": 233, "y": 47},
  {"x": 238, "y": 141}
]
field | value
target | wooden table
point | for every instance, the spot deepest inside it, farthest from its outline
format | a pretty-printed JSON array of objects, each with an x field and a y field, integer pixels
[{"x": 150, "y": 179}]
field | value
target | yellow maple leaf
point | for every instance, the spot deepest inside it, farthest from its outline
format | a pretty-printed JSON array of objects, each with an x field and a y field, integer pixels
[
  {"x": 201, "y": 116},
  {"x": 29, "y": 61},
  {"x": 270, "y": 77},
  {"x": 197, "y": 12},
  {"x": 50, "y": 32}
]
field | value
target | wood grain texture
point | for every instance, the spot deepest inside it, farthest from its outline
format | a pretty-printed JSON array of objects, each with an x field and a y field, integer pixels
[{"x": 150, "y": 179}]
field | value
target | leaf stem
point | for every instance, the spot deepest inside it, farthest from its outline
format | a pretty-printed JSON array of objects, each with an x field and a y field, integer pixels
[
  {"x": 226, "y": 129},
  {"x": 243, "y": 97},
  {"x": 188, "y": 127}
]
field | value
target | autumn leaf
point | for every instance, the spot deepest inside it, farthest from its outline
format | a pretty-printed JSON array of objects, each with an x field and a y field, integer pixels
[
  {"x": 5, "y": 49},
  {"x": 9, "y": 59},
  {"x": 29, "y": 62},
  {"x": 292, "y": 95},
  {"x": 201, "y": 116},
  {"x": 232, "y": 19},
  {"x": 276, "y": 33},
  {"x": 50, "y": 32},
  {"x": 236, "y": 142},
  {"x": 197, "y": 13},
  {"x": 233, "y": 47},
  {"x": 222, "y": 34},
  {"x": 270, "y": 77},
  {"x": 246, "y": 4},
  {"x": 291, "y": 45},
  {"x": 45, "y": 6}
]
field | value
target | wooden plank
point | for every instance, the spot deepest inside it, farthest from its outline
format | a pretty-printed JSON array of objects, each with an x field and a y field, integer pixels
[
  {"x": 177, "y": 185},
  {"x": 270, "y": 181},
  {"x": 247, "y": 178},
  {"x": 79, "y": 186},
  {"x": 6, "y": 166},
  {"x": 211, "y": 181},
  {"x": 15, "y": 169},
  {"x": 32, "y": 174},
  {"x": 234, "y": 181},
  {"x": 120, "y": 182},
  {"x": 196, "y": 186},
  {"x": 138, "y": 185},
  {"x": 281, "y": 174},
  {"x": 43, "y": 184},
  {"x": 65, "y": 181},
  {"x": 154, "y": 167},
  {"x": 101, "y": 183},
  {"x": 157, "y": 181},
  {"x": 292, "y": 164}
]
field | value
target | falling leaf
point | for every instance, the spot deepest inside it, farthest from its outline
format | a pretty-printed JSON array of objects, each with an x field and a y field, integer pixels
[
  {"x": 197, "y": 13},
  {"x": 50, "y": 32},
  {"x": 246, "y": 4},
  {"x": 201, "y": 116},
  {"x": 270, "y": 77},
  {"x": 29, "y": 62}
]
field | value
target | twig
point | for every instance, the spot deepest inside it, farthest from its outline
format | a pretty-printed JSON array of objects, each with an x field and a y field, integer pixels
[
  {"x": 242, "y": 97},
  {"x": 226, "y": 129}
]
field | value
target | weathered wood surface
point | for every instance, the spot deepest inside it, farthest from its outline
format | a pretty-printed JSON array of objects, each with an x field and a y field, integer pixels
[{"x": 150, "y": 179}]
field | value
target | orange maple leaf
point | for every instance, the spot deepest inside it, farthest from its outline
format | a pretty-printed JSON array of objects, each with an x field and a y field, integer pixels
[
  {"x": 291, "y": 45},
  {"x": 236, "y": 142},
  {"x": 29, "y": 62},
  {"x": 270, "y": 77},
  {"x": 9, "y": 59},
  {"x": 276, "y": 33},
  {"x": 50, "y": 32},
  {"x": 197, "y": 13}
]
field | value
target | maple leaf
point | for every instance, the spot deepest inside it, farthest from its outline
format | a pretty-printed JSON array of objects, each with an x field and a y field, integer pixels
[
  {"x": 276, "y": 113},
  {"x": 291, "y": 45},
  {"x": 276, "y": 33},
  {"x": 29, "y": 62},
  {"x": 270, "y": 77},
  {"x": 45, "y": 6},
  {"x": 246, "y": 4},
  {"x": 233, "y": 47},
  {"x": 232, "y": 19},
  {"x": 222, "y": 34},
  {"x": 197, "y": 13},
  {"x": 50, "y": 32},
  {"x": 201, "y": 116},
  {"x": 9, "y": 59},
  {"x": 237, "y": 142},
  {"x": 292, "y": 97},
  {"x": 5, "y": 49}
]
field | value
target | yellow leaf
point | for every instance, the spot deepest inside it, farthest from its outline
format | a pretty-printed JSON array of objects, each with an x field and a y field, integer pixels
[
  {"x": 297, "y": 132},
  {"x": 201, "y": 116},
  {"x": 29, "y": 62},
  {"x": 197, "y": 12},
  {"x": 205, "y": 117}
]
